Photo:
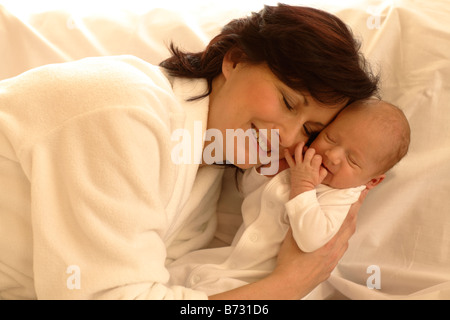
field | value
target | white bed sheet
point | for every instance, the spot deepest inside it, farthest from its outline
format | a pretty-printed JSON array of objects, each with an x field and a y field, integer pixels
[{"x": 403, "y": 230}]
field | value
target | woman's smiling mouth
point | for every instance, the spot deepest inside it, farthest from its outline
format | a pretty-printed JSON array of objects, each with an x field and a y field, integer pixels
[{"x": 261, "y": 138}]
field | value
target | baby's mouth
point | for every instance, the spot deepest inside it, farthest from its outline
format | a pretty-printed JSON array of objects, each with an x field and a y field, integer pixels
[{"x": 326, "y": 168}]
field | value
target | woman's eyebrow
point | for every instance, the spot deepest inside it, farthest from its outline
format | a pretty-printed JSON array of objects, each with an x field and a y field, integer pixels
[
  {"x": 306, "y": 102},
  {"x": 299, "y": 94},
  {"x": 302, "y": 95}
]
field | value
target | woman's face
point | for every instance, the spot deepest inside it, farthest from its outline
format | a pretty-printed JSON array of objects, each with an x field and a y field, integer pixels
[{"x": 250, "y": 97}]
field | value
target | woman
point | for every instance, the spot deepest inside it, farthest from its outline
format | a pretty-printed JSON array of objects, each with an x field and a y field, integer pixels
[{"x": 94, "y": 203}]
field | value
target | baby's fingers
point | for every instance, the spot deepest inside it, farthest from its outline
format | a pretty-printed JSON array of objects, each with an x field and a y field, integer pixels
[
  {"x": 298, "y": 155},
  {"x": 322, "y": 174},
  {"x": 316, "y": 161},
  {"x": 309, "y": 156},
  {"x": 289, "y": 158},
  {"x": 299, "y": 152}
]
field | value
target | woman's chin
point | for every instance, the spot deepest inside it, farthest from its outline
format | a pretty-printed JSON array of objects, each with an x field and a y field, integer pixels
[{"x": 245, "y": 166}]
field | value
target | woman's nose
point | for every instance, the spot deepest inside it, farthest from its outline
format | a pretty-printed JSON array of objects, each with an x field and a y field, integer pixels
[{"x": 290, "y": 138}]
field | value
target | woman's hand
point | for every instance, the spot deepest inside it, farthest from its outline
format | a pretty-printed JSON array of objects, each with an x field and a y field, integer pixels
[{"x": 297, "y": 273}]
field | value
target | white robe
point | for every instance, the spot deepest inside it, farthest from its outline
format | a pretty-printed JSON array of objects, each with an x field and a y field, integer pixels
[{"x": 91, "y": 201}]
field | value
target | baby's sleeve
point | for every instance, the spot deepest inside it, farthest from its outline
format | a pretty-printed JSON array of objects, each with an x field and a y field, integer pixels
[{"x": 315, "y": 219}]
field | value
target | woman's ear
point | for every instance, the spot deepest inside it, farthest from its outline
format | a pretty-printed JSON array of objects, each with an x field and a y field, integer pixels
[
  {"x": 230, "y": 61},
  {"x": 375, "y": 181}
]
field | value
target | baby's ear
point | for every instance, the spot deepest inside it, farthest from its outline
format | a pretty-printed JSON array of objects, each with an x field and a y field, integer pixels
[{"x": 375, "y": 181}]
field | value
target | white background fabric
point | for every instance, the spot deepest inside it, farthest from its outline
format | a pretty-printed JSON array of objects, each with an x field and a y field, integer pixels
[{"x": 403, "y": 228}]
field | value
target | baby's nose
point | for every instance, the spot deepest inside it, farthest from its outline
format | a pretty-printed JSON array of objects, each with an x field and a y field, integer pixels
[{"x": 334, "y": 155}]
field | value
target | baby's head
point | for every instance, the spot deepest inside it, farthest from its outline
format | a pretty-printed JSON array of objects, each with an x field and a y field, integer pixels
[{"x": 365, "y": 140}]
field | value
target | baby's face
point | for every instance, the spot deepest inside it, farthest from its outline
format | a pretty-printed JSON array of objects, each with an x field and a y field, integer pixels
[{"x": 350, "y": 149}]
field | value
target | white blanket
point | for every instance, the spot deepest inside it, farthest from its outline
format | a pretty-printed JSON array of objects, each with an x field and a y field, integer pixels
[{"x": 401, "y": 249}]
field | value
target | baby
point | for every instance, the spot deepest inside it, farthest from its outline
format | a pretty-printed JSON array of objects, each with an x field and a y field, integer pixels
[
  {"x": 352, "y": 154},
  {"x": 313, "y": 197}
]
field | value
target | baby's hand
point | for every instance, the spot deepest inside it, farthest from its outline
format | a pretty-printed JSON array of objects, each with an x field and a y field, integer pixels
[{"x": 306, "y": 170}]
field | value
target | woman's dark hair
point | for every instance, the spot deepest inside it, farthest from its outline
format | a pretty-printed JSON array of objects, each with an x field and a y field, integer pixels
[{"x": 306, "y": 48}]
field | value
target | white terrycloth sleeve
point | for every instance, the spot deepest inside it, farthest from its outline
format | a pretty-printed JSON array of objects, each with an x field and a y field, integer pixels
[
  {"x": 315, "y": 218},
  {"x": 99, "y": 204},
  {"x": 100, "y": 183}
]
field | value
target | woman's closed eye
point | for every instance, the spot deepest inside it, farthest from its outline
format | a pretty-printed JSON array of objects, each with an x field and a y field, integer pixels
[
  {"x": 311, "y": 134},
  {"x": 308, "y": 131},
  {"x": 288, "y": 106}
]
